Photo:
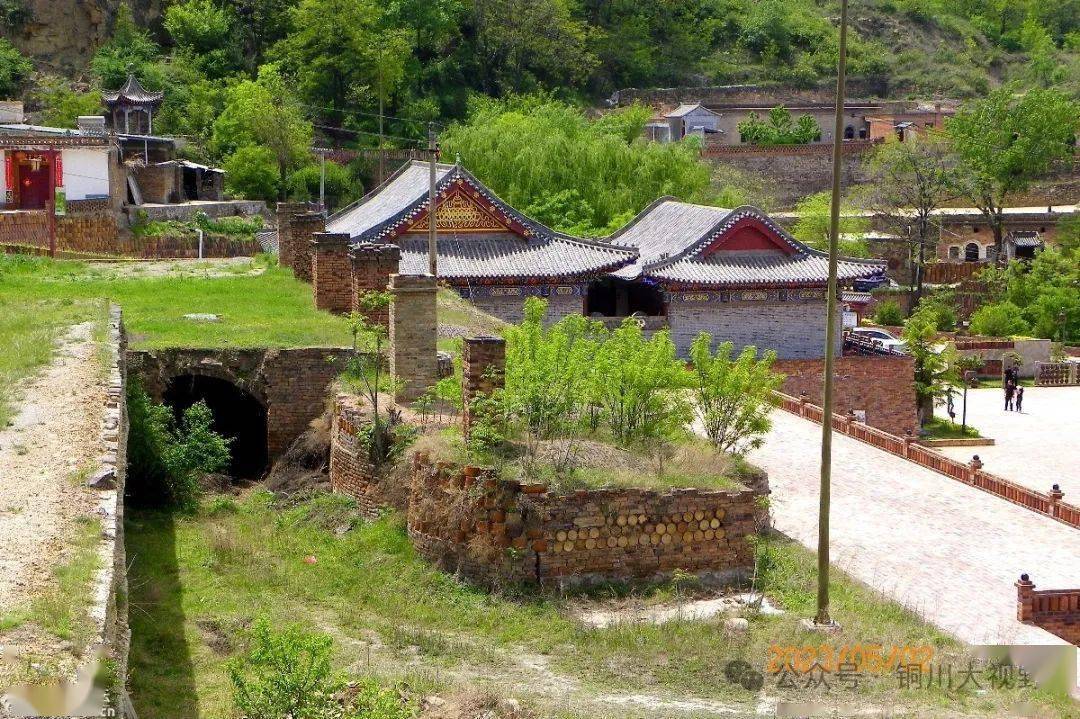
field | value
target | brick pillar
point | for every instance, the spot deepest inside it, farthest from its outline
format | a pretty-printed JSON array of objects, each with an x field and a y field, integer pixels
[
  {"x": 331, "y": 285},
  {"x": 285, "y": 212},
  {"x": 483, "y": 364},
  {"x": 1056, "y": 495},
  {"x": 370, "y": 268},
  {"x": 1025, "y": 596},
  {"x": 413, "y": 362},
  {"x": 303, "y": 228}
]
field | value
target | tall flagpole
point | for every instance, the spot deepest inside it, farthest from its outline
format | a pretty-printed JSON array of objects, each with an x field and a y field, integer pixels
[{"x": 822, "y": 616}]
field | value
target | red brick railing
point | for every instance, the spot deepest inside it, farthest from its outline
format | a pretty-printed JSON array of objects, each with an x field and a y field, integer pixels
[
  {"x": 971, "y": 473},
  {"x": 947, "y": 273},
  {"x": 1055, "y": 610}
]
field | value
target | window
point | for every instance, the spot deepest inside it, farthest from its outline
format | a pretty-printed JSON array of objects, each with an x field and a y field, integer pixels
[
  {"x": 971, "y": 252},
  {"x": 849, "y": 133},
  {"x": 975, "y": 229},
  {"x": 954, "y": 252}
]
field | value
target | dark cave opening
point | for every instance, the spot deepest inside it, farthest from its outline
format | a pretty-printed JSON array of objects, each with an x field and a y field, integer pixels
[{"x": 238, "y": 416}]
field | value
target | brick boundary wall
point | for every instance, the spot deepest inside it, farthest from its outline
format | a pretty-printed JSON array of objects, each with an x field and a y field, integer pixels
[
  {"x": 351, "y": 473},
  {"x": 1050, "y": 503},
  {"x": 1055, "y": 610},
  {"x": 849, "y": 147},
  {"x": 370, "y": 267},
  {"x": 882, "y": 386},
  {"x": 283, "y": 213},
  {"x": 495, "y": 531}
]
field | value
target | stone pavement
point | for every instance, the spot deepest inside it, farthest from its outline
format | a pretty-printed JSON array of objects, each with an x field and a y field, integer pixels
[
  {"x": 948, "y": 551},
  {"x": 1037, "y": 447}
]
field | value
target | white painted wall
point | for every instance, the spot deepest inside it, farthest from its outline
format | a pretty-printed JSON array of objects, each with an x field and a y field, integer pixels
[
  {"x": 86, "y": 172},
  {"x": 3, "y": 175}
]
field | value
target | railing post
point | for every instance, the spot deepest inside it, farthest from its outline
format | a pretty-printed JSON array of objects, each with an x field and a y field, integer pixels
[
  {"x": 1025, "y": 599},
  {"x": 848, "y": 426},
  {"x": 802, "y": 404},
  {"x": 973, "y": 468},
  {"x": 907, "y": 443},
  {"x": 1055, "y": 501}
]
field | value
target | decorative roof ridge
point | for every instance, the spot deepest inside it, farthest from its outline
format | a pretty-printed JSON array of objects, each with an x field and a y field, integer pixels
[{"x": 380, "y": 187}]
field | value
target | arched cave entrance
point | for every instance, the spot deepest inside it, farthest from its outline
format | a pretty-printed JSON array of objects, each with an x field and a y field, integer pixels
[{"x": 237, "y": 415}]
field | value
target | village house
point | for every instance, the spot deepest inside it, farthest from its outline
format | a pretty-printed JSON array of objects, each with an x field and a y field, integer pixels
[
  {"x": 690, "y": 268},
  {"x": 966, "y": 237}
]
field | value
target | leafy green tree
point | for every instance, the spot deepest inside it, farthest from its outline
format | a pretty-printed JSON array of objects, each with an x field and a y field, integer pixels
[
  {"x": 60, "y": 105},
  {"x": 733, "y": 396},
  {"x": 1004, "y": 143},
  {"x": 1045, "y": 291},
  {"x": 1042, "y": 68},
  {"x": 265, "y": 112},
  {"x": 780, "y": 129},
  {"x": 638, "y": 384},
  {"x": 888, "y": 313},
  {"x": 524, "y": 45},
  {"x": 14, "y": 69},
  {"x": 998, "y": 320},
  {"x": 129, "y": 49},
  {"x": 252, "y": 172},
  {"x": 343, "y": 51},
  {"x": 530, "y": 149},
  {"x": 340, "y": 187},
  {"x": 812, "y": 227},
  {"x": 907, "y": 182},
  {"x": 936, "y": 372},
  {"x": 262, "y": 24},
  {"x": 206, "y": 33},
  {"x": 548, "y": 369}
]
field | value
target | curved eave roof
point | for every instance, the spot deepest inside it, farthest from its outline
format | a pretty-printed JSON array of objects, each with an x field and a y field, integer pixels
[
  {"x": 464, "y": 256},
  {"x": 132, "y": 92}
]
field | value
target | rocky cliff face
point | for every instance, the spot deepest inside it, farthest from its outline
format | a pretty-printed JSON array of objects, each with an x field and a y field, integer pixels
[{"x": 61, "y": 35}]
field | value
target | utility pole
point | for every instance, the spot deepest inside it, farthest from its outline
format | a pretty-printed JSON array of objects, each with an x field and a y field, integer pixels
[
  {"x": 822, "y": 617},
  {"x": 382, "y": 151},
  {"x": 433, "y": 262}
]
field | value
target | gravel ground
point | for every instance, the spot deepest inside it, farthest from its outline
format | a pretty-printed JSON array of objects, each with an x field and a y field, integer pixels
[{"x": 53, "y": 435}]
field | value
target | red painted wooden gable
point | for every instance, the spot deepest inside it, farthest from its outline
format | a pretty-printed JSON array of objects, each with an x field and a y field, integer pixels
[{"x": 749, "y": 233}]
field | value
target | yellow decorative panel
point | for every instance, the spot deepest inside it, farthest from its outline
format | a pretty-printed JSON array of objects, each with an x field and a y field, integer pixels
[{"x": 458, "y": 213}]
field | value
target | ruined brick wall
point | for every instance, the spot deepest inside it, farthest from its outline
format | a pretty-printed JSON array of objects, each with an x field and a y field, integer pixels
[
  {"x": 292, "y": 384},
  {"x": 302, "y": 230},
  {"x": 370, "y": 267},
  {"x": 413, "y": 360},
  {"x": 331, "y": 283},
  {"x": 351, "y": 473},
  {"x": 483, "y": 364},
  {"x": 493, "y": 531},
  {"x": 795, "y": 330},
  {"x": 25, "y": 230},
  {"x": 94, "y": 233},
  {"x": 883, "y": 387},
  {"x": 283, "y": 216}
]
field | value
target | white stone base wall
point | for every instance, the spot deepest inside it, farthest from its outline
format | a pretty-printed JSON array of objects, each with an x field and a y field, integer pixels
[{"x": 794, "y": 330}]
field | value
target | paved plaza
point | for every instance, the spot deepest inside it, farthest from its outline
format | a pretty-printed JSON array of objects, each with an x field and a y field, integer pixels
[
  {"x": 1036, "y": 447},
  {"x": 946, "y": 550}
]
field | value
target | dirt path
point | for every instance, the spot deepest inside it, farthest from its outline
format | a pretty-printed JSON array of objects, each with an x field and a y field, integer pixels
[{"x": 53, "y": 435}]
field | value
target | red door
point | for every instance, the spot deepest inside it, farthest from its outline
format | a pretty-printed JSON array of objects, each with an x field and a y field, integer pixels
[{"x": 33, "y": 186}]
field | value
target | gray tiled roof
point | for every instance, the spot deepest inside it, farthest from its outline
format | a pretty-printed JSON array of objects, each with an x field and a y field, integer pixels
[
  {"x": 489, "y": 256},
  {"x": 686, "y": 109},
  {"x": 545, "y": 253},
  {"x": 671, "y": 237},
  {"x": 134, "y": 92}
]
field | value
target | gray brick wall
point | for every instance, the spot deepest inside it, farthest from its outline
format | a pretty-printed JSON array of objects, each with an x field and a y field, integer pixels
[
  {"x": 794, "y": 330},
  {"x": 512, "y": 309}
]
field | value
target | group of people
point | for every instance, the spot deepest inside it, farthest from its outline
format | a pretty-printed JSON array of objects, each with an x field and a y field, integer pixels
[{"x": 1014, "y": 392}]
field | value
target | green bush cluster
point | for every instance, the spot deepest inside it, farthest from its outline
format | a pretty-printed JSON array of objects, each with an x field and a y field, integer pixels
[
  {"x": 169, "y": 454},
  {"x": 888, "y": 313}
]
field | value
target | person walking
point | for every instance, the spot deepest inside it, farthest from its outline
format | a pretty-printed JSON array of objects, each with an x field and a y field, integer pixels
[
  {"x": 1019, "y": 399},
  {"x": 1010, "y": 389}
]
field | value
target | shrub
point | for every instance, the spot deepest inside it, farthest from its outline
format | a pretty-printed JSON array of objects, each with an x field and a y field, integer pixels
[
  {"x": 1002, "y": 319},
  {"x": 170, "y": 454},
  {"x": 733, "y": 396},
  {"x": 252, "y": 172},
  {"x": 285, "y": 673},
  {"x": 14, "y": 69},
  {"x": 889, "y": 313},
  {"x": 340, "y": 187}
]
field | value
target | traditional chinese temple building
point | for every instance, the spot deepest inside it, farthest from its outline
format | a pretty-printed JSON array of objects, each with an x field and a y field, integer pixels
[
  {"x": 131, "y": 108},
  {"x": 733, "y": 273}
]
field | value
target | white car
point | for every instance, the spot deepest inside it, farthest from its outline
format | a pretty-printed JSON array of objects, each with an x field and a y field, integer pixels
[{"x": 883, "y": 337}]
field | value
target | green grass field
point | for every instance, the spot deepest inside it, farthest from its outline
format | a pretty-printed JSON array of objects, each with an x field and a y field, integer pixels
[
  {"x": 267, "y": 309},
  {"x": 197, "y": 581}
]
